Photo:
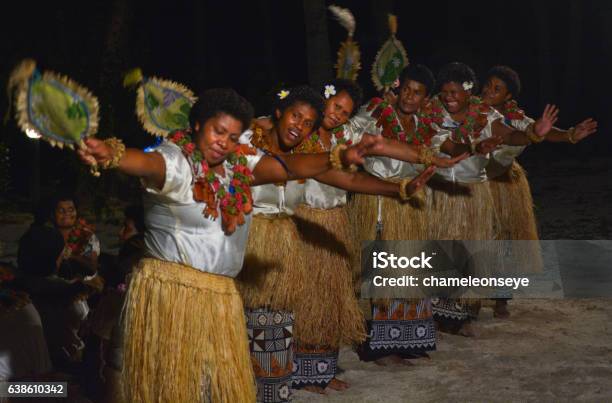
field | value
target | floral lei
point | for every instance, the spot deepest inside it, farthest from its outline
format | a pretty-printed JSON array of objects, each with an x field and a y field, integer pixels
[
  {"x": 78, "y": 237},
  {"x": 474, "y": 122},
  {"x": 387, "y": 119},
  {"x": 235, "y": 200},
  {"x": 511, "y": 110},
  {"x": 312, "y": 144}
]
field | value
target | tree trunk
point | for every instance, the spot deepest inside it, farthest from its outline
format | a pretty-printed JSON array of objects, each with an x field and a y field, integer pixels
[{"x": 320, "y": 67}]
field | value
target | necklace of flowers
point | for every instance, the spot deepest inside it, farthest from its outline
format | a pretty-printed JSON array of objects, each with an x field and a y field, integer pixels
[
  {"x": 511, "y": 110},
  {"x": 475, "y": 120},
  {"x": 235, "y": 200},
  {"x": 386, "y": 118},
  {"x": 78, "y": 237}
]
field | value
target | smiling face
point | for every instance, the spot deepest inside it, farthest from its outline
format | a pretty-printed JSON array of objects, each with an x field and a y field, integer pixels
[
  {"x": 294, "y": 124},
  {"x": 495, "y": 92},
  {"x": 218, "y": 138},
  {"x": 454, "y": 97},
  {"x": 65, "y": 214},
  {"x": 338, "y": 110},
  {"x": 412, "y": 96}
]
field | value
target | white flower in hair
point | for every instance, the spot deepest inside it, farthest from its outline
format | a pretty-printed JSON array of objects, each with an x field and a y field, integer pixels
[
  {"x": 283, "y": 94},
  {"x": 329, "y": 91},
  {"x": 467, "y": 85}
]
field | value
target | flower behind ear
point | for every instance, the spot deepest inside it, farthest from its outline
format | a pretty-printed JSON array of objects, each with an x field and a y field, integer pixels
[
  {"x": 468, "y": 85},
  {"x": 330, "y": 90},
  {"x": 283, "y": 94}
]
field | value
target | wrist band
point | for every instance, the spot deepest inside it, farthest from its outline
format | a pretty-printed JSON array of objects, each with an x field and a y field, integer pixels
[
  {"x": 336, "y": 161},
  {"x": 117, "y": 152},
  {"x": 570, "y": 135},
  {"x": 534, "y": 138}
]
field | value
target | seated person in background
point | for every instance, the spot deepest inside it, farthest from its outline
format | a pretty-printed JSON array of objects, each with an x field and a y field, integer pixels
[
  {"x": 23, "y": 350},
  {"x": 82, "y": 245},
  {"x": 60, "y": 302}
]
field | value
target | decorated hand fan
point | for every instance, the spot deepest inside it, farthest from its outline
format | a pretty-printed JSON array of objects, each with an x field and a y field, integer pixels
[
  {"x": 348, "y": 64},
  {"x": 162, "y": 106},
  {"x": 53, "y": 107},
  {"x": 390, "y": 60}
]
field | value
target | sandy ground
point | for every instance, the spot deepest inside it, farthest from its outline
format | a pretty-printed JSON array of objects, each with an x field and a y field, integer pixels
[{"x": 549, "y": 350}]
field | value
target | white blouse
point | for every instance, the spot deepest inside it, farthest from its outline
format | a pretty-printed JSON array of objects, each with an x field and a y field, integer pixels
[
  {"x": 271, "y": 199},
  {"x": 505, "y": 154},
  {"x": 472, "y": 169},
  {"x": 177, "y": 230}
]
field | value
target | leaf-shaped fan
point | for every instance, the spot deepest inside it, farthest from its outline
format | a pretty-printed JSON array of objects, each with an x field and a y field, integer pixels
[
  {"x": 348, "y": 64},
  {"x": 162, "y": 106},
  {"x": 390, "y": 60},
  {"x": 53, "y": 107}
]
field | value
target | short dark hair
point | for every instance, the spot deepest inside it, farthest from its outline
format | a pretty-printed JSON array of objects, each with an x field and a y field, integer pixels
[
  {"x": 353, "y": 90},
  {"x": 135, "y": 212},
  {"x": 215, "y": 101},
  {"x": 300, "y": 94},
  {"x": 457, "y": 72},
  {"x": 421, "y": 74},
  {"x": 509, "y": 76}
]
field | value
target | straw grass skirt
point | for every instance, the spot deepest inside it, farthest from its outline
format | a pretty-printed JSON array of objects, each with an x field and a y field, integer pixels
[
  {"x": 328, "y": 313},
  {"x": 514, "y": 206},
  {"x": 185, "y": 337}
]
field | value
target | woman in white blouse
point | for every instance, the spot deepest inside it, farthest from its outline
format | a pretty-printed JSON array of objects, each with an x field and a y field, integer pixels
[{"x": 185, "y": 338}]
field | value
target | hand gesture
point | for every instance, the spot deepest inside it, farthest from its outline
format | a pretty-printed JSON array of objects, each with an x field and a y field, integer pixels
[
  {"x": 584, "y": 129},
  {"x": 546, "y": 122},
  {"x": 420, "y": 180},
  {"x": 449, "y": 162},
  {"x": 488, "y": 145}
]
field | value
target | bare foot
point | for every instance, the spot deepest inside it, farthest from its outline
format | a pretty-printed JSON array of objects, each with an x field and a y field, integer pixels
[
  {"x": 467, "y": 330},
  {"x": 337, "y": 384},
  {"x": 501, "y": 310},
  {"x": 315, "y": 389}
]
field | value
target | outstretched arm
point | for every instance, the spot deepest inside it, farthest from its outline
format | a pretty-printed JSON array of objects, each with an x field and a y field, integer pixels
[
  {"x": 282, "y": 168},
  {"x": 362, "y": 182},
  {"x": 135, "y": 162},
  {"x": 399, "y": 150}
]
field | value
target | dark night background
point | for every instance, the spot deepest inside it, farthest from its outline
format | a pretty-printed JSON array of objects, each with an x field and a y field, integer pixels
[{"x": 561, "y": 49}]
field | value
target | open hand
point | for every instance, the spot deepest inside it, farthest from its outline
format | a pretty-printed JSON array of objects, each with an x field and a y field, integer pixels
[
  {"x": 546, "y": 122},
  {"x": 420, "y": 180},
  {"x": 488, "y": 145},
  {"x": 373, "y": 144},
  {"x": 449, "y": 162},
  {"x": 585, "y": 129}
]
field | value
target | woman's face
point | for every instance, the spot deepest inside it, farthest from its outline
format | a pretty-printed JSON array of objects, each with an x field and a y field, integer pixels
[
  {"x": 495, "y": 92},
  {"x": 454, "y": 97},
  {"x": 412, "y": 96},
  {"x": 294, "y": 124},
  {"x": 65, "y": 214},
  {"x": 218, "y": 138},
  {"x": 338, "y": 110}
]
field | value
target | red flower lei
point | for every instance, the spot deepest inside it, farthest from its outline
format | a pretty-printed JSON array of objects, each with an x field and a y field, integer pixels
[
  {"x": 313, "y": 145},
  {"x": 78, "y": 237},
  {"x": 474, "y": 122},
  {"x": 386, "y": 118},
  {"x": 235, "y": 200},
  {"x": 426, "y": 117},
  {"x": 511, "y": 110}
]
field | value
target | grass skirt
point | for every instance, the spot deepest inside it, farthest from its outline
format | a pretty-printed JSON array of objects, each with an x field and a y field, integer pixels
[
  {"x": 185, "y": 337},
  {"x": 328, "y": 312},
  {"x": 514, "y": 206}
]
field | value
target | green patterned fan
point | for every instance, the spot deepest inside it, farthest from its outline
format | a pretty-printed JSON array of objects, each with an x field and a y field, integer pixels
[
  {"x": 390, "y": 60},
  {"x": 162, "y": 106},
  {"x": 52, "y": 106}
]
